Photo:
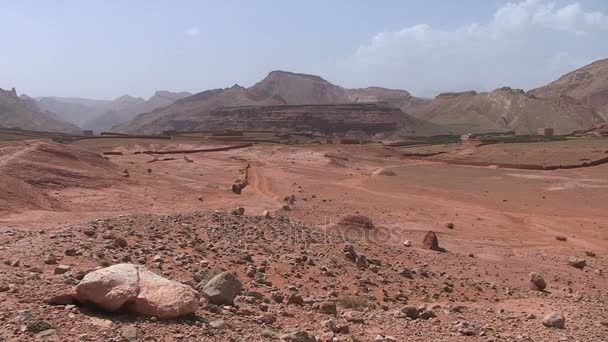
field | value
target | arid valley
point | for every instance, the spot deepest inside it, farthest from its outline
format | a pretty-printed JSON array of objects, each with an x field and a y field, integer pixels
[{"x": 319, "y": 171}]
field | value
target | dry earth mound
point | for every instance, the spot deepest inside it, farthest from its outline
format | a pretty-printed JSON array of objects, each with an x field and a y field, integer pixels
[{"x": 29, "y": 168}]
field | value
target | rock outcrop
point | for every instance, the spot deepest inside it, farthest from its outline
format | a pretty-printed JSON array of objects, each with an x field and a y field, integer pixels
[{"x": 136, "y": 289}]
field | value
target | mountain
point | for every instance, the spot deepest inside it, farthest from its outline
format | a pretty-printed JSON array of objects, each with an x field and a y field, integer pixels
[
  {"x": 299, "y": 89},
  {"x": 349, "y": 119},
  {"x": 23, "y": 112},
  {"x": 188, "y": 112},
  {"x": 278, "y": 88},
  {"x": 507, "y": 109},
  {"x": 588, "y": 84},
  {"x": 101, "y": 115},
  {"x": 398, "y": 98}
]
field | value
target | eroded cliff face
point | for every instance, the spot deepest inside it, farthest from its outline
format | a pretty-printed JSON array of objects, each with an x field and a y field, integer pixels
[
  {"x": 588, "y": 84},
  {"x": 370, "y": 118},
  {"x": 508, "y": 109}
]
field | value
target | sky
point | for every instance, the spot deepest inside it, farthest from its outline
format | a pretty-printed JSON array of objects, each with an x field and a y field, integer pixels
[{"x": 105, "y": 49}]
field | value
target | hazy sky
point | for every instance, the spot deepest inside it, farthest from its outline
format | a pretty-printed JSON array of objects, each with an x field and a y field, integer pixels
[{"x": 104, "y": 49}]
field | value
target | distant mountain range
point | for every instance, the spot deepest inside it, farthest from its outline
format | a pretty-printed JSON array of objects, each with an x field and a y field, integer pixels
[
  {"x": 23, "y": 112},
  {"x": 279, "y": 88},
  {"x": 574, "y": 105},
  {"x": 576, "y": 101},
  {"x": 100, "y": 115}
]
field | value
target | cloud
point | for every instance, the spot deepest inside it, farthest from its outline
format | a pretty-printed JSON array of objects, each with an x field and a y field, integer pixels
[
  {"x": 522, "y": 45},
  {"x": 192, "y": 32}
]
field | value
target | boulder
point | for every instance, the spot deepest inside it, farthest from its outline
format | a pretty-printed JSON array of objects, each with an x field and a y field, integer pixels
[
  {"x": 431, "y": 242},
  {"x": 136, "y": 289},
  {"x": 164, "y": 298},
  {"x": 222, "y": 289},
  {"x": 109, "y": 288}
]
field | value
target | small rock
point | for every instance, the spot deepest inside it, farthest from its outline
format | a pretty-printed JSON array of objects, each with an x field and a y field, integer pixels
[
  {"x": 353, "y": 316},
  {"x": 431, "y": 242},
  {"x": 238, "y": 211},
  {"x": 407, "y": 243},
  {"x": 120, "y": 242},
  {"x": 466, "y": 328},
  {"x": 218, "y": 324},
  {"x": 328, "y": 308},
  {"x": 47, "y": 335},
  {"x": 61, "y": 269},
  {"x": 590, "y": 254},
  {"x": 410, "y": 311},
  {"x": 537, "y": 282},
  {"x": 554, "y": 320},
  {"x": 298, "y": 336},
  {"x": 50, "y": 259},
  {"x": 577, "y": 262},
  {"x": 129, "y": 332},
  {"x": 222, "y": 289},
  {"x": 561, "y": 238},
  {"x": 427, "y": 314}
]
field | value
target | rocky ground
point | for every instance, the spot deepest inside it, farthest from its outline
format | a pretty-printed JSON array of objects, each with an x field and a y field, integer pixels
[
  {"x": 331, "y": 242},
  {"x": 298, "y": 282}
]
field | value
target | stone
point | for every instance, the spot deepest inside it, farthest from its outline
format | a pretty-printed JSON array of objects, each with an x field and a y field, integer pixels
[
  {"x": 298, "y": 336},
  {"x": 431, "y": 242},
  {"x": 135, "y": 288},
  {"x": 163, "y": 298},
  {"x": 577, "y": 262},
  {"x": 102, "y": 323},
  {"x": 295, "y": 298},
  {"x": 410, "y": 311},
  {"x": 537, "y": 282},
  {"x": 62, "y": 269},
  {"x": 407, "y": 243},
  {"x": 50, "y": 259},
  {"x": 120, "y": 242},
  {"x": 266, "y": 318},
  {"x": 129, "y": 332},
  {"x": 328, "y": 308},
  {"x": 427, "y": 314},
  {"x": 561, "y": 238},
  {"x": 554, "y": 320},
  {"x": 266, "y": 214},
  {"x": 466, "y": 328},
  {"x": 590, "y": 254},
  {"x": 238, "y": 211},
  {"x": 222, "y": 289},
  {"x": 47, "y": 335},
  {"x": 353, "y": 316},
  {"x": 329, "y": 325},
  {"x": 218, "y": 324},
  {"x": 449, "y": 225},
  {"x": 37, "y": 326}
]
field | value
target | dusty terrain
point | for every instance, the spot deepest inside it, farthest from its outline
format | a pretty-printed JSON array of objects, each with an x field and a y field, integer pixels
[{"x": 496, "y": 224}]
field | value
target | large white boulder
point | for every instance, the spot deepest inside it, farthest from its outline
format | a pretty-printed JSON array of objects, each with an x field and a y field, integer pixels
[{"x": 136, "y": 289}]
